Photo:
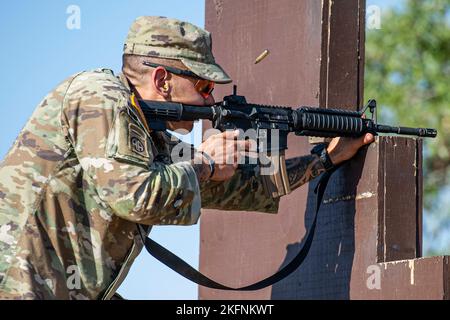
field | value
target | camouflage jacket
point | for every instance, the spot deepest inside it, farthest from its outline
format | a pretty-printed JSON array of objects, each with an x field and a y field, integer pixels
[{"x": 81, "y": 176}]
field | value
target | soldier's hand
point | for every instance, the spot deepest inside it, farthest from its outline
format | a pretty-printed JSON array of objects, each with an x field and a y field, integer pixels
[
  {"x": 225, "y": 150},
  {"x": 341, "y": 149}
]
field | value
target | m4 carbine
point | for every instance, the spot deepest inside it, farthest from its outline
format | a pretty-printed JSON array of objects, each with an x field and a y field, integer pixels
[{"x": 235, "y": 113}]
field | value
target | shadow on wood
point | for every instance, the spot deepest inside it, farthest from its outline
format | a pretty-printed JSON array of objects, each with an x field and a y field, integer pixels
[{"x": 325, "y": 273}]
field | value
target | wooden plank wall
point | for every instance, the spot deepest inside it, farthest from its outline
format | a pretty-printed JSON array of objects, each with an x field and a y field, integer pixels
[{"x": 372, "y": 207}]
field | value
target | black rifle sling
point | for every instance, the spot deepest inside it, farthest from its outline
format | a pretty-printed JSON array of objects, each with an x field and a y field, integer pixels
[{"x": 181, "y": 267}]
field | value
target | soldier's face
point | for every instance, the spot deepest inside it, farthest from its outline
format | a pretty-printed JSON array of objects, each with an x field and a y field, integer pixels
[{"x": 183, "y": 91}]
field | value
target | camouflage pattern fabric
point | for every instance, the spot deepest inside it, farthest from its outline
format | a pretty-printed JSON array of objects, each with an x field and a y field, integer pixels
[
  {"x": 81, "y": 176},
  {"x": 169, "y": 38}
]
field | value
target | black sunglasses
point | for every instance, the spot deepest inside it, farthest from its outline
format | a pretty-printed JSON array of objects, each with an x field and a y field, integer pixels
[
  {"x": 172, "y": 69},
  {"x": 203, "y": 86}
]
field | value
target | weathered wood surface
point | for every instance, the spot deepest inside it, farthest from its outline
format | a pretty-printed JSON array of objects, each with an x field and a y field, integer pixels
[{"x": 372, "y": 207}]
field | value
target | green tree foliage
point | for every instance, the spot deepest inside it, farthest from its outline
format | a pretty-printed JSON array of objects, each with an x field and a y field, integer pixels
[{"x": 408, "y": 71}]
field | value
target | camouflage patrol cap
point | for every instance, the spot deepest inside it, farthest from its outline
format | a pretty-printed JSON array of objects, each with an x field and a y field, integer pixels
[{"x": 169, "y": 38}]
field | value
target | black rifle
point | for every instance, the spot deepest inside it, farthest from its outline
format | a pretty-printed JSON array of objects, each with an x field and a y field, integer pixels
[{"x": 235, "y": 113}]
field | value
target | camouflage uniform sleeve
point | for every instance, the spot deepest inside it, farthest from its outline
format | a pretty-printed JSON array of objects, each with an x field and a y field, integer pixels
[
  {"x": 116, "y": 154},
  {"x": 243, "y": 192}
]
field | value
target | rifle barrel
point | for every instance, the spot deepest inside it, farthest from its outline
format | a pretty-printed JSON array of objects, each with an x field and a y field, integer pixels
[{"x": 421, "y": 132}]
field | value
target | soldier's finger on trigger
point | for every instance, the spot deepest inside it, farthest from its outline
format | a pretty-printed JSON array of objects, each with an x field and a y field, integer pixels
[
  {"x": 243, "y": 145},
  {"x": 230, "y": 149},
  {"x": 229, "y": 134},
  {"x": 248, "y": 144},
  {"x": 231, "y": 158}
]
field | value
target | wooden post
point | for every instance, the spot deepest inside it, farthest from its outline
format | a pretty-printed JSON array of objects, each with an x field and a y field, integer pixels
[{"x": 372, "y": 207}]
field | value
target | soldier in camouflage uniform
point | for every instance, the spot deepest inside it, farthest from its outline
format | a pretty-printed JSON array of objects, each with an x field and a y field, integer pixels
[{"x": 86, "y": 170}]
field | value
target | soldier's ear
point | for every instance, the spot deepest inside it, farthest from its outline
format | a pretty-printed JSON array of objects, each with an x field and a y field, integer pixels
[{"x": 159, "y": 82}]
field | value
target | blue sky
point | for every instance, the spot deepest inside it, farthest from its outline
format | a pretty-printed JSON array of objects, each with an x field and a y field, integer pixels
[{"x": 39, "y": 51}]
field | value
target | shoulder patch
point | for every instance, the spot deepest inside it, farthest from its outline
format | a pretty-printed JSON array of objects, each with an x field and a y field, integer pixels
[
  {"x": 137, "y": 140},
  {"x": 128, "y": 141}
]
